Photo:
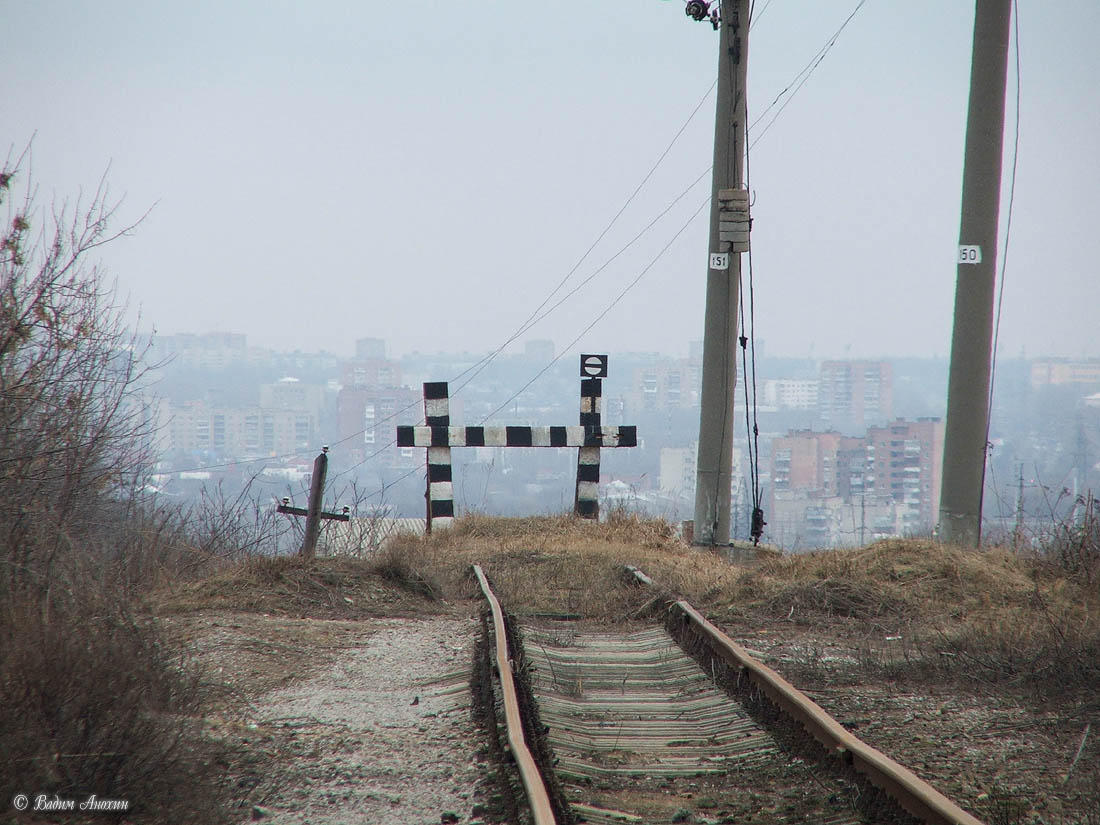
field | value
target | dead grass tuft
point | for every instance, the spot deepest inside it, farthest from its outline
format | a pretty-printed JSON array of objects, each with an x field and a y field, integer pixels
[
  {"x": 559, "y": 564},
  {"x": 988, "y": 615},
  {"x": 96, "y": 702},
  {"x": 336, "y": 587}
]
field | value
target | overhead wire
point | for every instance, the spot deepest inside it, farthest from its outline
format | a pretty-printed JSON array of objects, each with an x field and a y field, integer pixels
[
  {"x": 620, "y": 252},
  {"x": 532, "y": 319},
  {"x": 535, "y": 316},
  {"x": 602, "y": 314},
  {"x": 805, "y": 74}
]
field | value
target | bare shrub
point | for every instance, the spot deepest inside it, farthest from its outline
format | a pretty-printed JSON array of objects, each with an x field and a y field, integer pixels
[
  {"x": 94, "y": 699},
  {"x": 73, "y": 411},
  {"x": 1074, "y": 543},
  {"x": 96, "y": 703},
  {"x": 399, "y": 564}
]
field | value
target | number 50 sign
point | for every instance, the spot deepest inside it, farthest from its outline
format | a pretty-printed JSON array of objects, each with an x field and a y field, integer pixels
[{"x": 969, "y": 254}]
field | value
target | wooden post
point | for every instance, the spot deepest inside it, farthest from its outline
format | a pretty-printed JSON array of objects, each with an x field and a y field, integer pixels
[{"x": 313, "y": 512}]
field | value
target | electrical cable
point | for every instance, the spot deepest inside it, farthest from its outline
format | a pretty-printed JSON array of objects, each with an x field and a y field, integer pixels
[
  {"x": 1004, "y": 265},
  {"x": 753, "y": 16},
  {"x": 535, "y": 317},
  {"x": 606, "y": 310},
  {"x": 532, "y": 319},
  {"x": 805, "y": 74},
  {"x": 606, "y": 263},
  {"x": 752, "y": 435}
]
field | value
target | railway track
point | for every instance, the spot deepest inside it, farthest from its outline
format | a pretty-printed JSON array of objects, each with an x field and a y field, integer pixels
[{"x": 674, "y": 723}]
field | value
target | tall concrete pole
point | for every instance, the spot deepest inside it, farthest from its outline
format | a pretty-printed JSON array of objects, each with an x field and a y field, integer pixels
[
  {"x": 971, "y": 342},
  {"x": 716, "y": 419}
]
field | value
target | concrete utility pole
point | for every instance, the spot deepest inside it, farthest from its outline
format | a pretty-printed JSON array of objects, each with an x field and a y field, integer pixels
[
  {"x": 716, "y": 418},
  {"x": 966, "y": 428}
]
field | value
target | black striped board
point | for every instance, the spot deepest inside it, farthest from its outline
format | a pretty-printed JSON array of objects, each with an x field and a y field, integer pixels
[
  {"x": 623, "y": 436},
  {"x": 438, "y": 437}
]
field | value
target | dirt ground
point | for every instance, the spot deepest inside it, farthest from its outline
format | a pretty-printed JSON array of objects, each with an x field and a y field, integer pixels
[
  {"x": 356, "y": 721},
  {"x": 1009, "y": 756}
]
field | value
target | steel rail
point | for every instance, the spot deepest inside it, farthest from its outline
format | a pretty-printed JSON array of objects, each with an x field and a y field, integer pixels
[
  {"x": 537, "y": 795},
  {"x": 910, "y": 791}
]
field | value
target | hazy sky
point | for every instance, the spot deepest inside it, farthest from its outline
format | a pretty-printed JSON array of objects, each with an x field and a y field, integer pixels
[{"x": 428, "y": 172}]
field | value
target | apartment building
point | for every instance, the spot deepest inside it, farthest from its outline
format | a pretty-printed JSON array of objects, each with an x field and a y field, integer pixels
[
  {"x": 368, "y": 418},
  {"x": 892, "y": 475},
  {"x": 371, "y": 373},
  {"x": 212, "y": 350},
  {"x": 904, "y": 462},
  {"x": 853, "y": 395},
  {"x": 790, "y": 394},
  {"x": 1059, "y": 371},
  {"x": 240, "y": 432},
  {"x": 665, "y": 384}
]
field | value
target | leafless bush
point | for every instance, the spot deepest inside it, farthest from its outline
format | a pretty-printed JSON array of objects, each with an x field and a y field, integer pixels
[
  {"x": 1074, "y": 543},
  {"x": 74, "y": 415},
  {"x": 94, "y": 700},
  {"x": 95, "y": 703}
]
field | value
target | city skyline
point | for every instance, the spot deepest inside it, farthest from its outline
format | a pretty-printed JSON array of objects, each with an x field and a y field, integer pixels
[{"x": 429, "y": 179}]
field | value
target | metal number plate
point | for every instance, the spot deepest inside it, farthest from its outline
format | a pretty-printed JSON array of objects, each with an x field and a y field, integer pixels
[
  {"x": 970, "y": 254},
  {"x": 719, "y": 260}
]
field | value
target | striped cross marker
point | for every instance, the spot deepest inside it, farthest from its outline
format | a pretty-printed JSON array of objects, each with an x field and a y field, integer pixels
[{"x": 438, "y": 437}]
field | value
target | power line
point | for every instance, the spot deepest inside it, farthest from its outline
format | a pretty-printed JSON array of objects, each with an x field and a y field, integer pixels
[
  {"x": 805, "y": 74},
  {"x": 606, "y": 310},
  {"x": 754, "y": 18},
  {"x": 614, "y": 257},
  {"x": 532, "y": 319},
  {"x": 538, "y": 314}
]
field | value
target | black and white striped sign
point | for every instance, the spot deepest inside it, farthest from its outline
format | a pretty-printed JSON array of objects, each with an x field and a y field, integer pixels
[
  {"x": 517, "y": 436},
  {"x": 438, "y": 437}
]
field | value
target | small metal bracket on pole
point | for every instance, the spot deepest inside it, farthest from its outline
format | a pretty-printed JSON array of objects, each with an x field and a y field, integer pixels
[{"x": 313, "y": 513}]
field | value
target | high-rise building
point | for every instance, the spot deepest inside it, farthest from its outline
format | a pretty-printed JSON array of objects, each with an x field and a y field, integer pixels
[
  {"x": 369, "y": 417},
  {"x": 666, "y": 384},
  {"x": 1047, "y": 371},
  {"x": 242, "y": 432},
  {"x": 904, "y": 463},
  {"x": 790, "y": 394},
  {"x": 367, "y": 349},
  {"x": 891, "y": 476},
  {"x": 854, "y": 395}
]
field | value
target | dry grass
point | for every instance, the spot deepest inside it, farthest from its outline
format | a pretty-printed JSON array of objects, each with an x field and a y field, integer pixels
[
  {"x": 325, "y": 588},
  {"x": 989, "y": 615},
  {"x": 559, "y": 564},
  {"x": 890, "y": 582},
  {"x": 992, "y": 615},
  {"x": 95, "y": 702}
]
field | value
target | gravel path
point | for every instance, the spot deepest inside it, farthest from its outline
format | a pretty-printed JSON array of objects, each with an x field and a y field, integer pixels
[{"x": 384, "y": 736}]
